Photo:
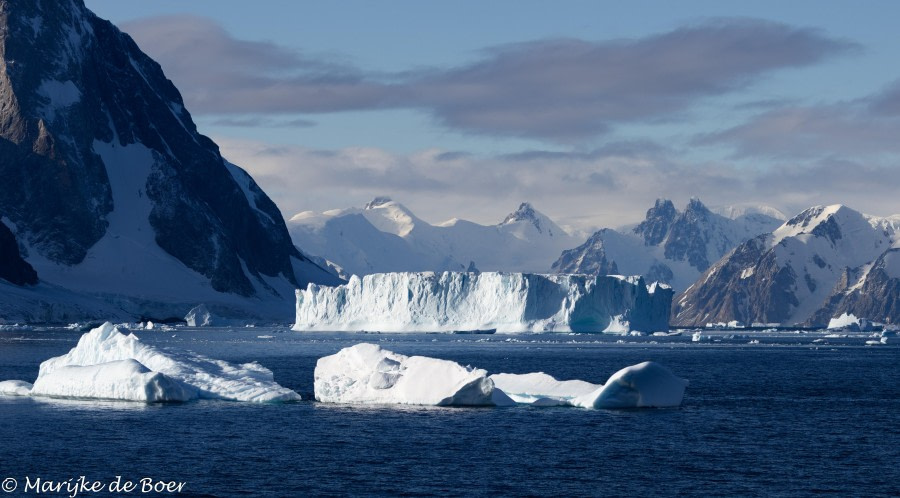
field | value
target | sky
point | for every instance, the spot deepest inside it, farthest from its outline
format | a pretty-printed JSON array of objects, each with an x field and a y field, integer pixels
[{"x": 590, "y": 110}]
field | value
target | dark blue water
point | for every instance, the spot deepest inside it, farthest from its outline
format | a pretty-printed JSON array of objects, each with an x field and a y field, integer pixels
[{"x": 780, "y": 418}]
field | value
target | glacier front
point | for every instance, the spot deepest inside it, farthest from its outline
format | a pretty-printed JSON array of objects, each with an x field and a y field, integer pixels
[{"x": 504, "y": 302}]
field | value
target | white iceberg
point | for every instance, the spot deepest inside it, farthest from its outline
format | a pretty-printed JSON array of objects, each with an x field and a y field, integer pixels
[
  {"x": 368, "y": 374},
  {"x": 644, "y": 385},
  {"x": 503, "y": 302},
  {"x": 119, "y": 380},
  {"x": 15, "y": 388},
  {"x": 108, "y": 364},
  {"x": 199, "y": 316},
  {"x": 849, "y": 321}
]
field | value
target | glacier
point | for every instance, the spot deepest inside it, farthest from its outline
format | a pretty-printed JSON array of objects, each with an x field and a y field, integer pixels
[
  {"x": 110, "y": 364},
  {"x": 502, "y": 302},
  {"x": 368, "y": 374}
]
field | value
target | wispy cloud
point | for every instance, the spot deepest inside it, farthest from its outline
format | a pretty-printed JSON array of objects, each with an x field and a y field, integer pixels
[
  {"x": 864, "y": 128},
  {"x": 562, "y": 90}
]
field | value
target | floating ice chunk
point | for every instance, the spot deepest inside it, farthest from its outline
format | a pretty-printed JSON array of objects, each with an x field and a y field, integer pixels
[
  {"x": 646, "y": 384},
  {"x": 366, "y": 373},
  {"x": 849, "y": 321},
  {"x": 212, "y": 379},
  {"x": 14, "y": 388},
  {"x": 533, "y": 387},
  {"x": 199, "y": 316},
  {"x": 126, "y": 380}
]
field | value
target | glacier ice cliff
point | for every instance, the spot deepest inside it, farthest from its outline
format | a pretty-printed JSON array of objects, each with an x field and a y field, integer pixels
[{"x": 505, "y": 302}]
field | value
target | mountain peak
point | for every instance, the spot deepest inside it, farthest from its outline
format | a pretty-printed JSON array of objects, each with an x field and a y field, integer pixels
[
  {"x": 525, "y": 212},
  {"x": 378, "y": 202},
  {"x": 657, "y": 222}
]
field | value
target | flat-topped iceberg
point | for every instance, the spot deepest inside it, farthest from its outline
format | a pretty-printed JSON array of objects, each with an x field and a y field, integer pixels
[
  {"x": 368, "y": 374},
  {"x": 109, "y": 364},
  {"x": 505, "y": 302}
]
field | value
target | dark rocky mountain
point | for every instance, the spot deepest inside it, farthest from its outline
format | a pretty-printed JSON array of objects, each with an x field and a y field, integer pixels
[
  {"x": 13, "y": 268},
  {"x": 669, "y": 246},
  {"x": 101, "y": 161},
  {"x": 825, "y": 261}
]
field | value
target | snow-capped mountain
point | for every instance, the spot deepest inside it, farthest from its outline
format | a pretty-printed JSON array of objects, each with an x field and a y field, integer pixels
[
  {"x": 824, "y": 261},
  {"x": 668, "y": 246},
  {"x": 385, "y": 236},
  {"x": 111, "y": 191}
]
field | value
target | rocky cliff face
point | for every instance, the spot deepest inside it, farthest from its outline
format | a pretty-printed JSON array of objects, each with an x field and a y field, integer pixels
[
  {"x": 669, "y": 246},
  {"x": 825, "y": 261},
  {"x": 101, "y": 158},
  {"x": 13, "y": 268}
]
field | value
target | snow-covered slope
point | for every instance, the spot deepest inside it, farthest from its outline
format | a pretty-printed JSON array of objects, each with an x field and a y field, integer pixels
[
  {"x": 825, "y": 261},
  {"x": 505, "y": 302},
  {"x": 385, "y": 236},
  {"x": 669, "y": 246},
  {"x": 112, "y": 191}
]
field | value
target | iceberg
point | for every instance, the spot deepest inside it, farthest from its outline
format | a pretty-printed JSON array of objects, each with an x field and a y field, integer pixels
[
  {"x": 126, "y": 380},
  {"x": 849, "y": 321},
  {"x": 108, "y": 364},
  {"x": 504, "y": 302},
  {"x": 367, "y": 374},
  {"x": 15, "y": 388},
  {"x": 645, "y": 385}
]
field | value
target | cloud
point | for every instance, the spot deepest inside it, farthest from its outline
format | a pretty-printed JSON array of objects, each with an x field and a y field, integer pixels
[
  {"x": 608, "y": 187},
  {"x": 862, "y": 128},
  {"x": 218, "y": 73},
  {"x": 562, "y": 90},
  {"x": 262, "y": 122}
]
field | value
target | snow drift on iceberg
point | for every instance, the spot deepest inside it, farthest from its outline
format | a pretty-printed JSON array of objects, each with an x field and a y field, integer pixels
[
  {"x": 108, "y": 364},
  {"x": 368, "y": 374},
  {"x": 506, "y": 302}
]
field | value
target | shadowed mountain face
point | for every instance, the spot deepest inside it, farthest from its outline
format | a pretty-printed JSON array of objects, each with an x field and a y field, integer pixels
[
  {"x": 825, "y": 261},
  {"x": 95, "y": 144},
  {"x": 13, "y": 268},
  {"x": 669, "y": 246}
]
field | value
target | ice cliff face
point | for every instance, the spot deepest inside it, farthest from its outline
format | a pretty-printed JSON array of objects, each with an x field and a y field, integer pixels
[
  {"x": 825, "y": 261},
  {"x": 385, "y": 236},
  {"x": 507, "y": 302},
  {"x": 668, "y": 246},
  {"x": 111, "y": 189}
]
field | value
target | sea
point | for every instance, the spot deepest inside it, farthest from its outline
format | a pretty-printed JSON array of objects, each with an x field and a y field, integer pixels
[{"x": 767, "y": 413}]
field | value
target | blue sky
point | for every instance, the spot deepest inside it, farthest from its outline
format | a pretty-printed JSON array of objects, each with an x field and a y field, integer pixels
[{"x": 590, "y": 110}]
